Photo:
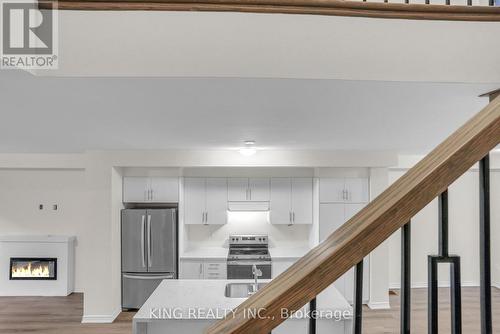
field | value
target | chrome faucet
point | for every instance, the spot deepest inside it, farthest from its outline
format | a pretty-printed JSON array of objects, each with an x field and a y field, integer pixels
[{"x": 256, "y": 274}]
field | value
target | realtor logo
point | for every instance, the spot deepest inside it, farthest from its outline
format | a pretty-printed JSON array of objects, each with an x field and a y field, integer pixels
[{"x": 29, "y": 36}]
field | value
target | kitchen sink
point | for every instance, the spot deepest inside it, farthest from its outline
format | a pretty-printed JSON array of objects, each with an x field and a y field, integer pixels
[{"x": 241, "y": 290}]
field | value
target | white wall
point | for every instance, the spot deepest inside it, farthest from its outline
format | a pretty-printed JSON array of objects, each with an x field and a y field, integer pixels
[
  {"x": 463, "y": 233},
  {"x": 21, "y": 192}
]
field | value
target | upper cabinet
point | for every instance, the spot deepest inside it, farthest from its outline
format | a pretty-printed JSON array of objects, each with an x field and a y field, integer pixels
[
  {"x": 242, "y": 189},
  {"x": 291, "y": 201},
  {"x": 150, "y": 189},
  {"x": 343, "y": 190},
  {"x": 205, "y": 200}
]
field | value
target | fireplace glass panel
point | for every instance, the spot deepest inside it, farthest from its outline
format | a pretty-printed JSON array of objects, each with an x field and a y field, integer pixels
[{"x": 33, "y": 268}]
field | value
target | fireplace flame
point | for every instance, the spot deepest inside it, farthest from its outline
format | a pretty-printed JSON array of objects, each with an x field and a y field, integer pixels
[{"x": 29, "y": 270}]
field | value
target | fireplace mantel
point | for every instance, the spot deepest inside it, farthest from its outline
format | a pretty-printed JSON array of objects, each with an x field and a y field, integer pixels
[
  {"x": 38, "y": 238},
  {"x": 60, "y": 247}
]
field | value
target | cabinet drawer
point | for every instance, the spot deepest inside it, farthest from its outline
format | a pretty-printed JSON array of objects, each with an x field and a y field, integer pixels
[{"x": 215, "y": 270}]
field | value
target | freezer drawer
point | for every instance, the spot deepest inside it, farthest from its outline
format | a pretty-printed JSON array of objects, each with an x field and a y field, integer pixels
[{"x": 136, "y": 288}]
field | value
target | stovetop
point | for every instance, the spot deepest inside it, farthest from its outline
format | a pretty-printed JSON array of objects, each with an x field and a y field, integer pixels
[{"x": 248, "y": 247}]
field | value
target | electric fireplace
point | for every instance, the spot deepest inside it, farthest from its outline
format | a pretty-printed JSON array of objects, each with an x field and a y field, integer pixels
[{"x": 28, "y": 268}]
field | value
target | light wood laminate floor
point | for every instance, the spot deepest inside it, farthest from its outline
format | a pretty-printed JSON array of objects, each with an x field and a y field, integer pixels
[{"x": 62, "y": 315}]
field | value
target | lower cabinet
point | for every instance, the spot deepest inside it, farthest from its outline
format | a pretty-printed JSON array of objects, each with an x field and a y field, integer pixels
[
  {"x": 215, "y": 270},
  {"x": 200, "y": 269}
]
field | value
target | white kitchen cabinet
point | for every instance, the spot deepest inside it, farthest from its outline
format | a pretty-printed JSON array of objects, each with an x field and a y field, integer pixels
[
  {"x": 203, "y": 269},
  {"x": 194, "y": 201},
  {"x": 343, "y": 190},
  {"x": 216, "y": 201},
  {"x": 291, "y": 201},
  {"x": 331, "y": 217},
  {"x": 135, "y": 189},
  {"x": 281, "y": 191},
  {"x": 164, "y": 189},
  {"x": 279, "y": 266},
  {"x": 191, "y": 269},
  {"x": 205, "y": 201},
  {"x": 357, "y": 190},
  {"x": 302, "y": 200},
  {"x": 241, "y": 189},
  {"x": 331, "y": 190},
  {"x": 259, "y": 188},
  {"x": 237, "y": 189},
  {"x": 215, "y": 270},
  {"x": 150, "y": 189}
]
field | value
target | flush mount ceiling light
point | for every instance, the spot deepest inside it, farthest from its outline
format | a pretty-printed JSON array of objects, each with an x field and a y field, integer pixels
[{"x": 249, "y": 148}]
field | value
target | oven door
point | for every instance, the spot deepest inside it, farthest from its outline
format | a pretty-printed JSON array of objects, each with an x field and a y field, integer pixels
[{"x": 243, "y": 269}]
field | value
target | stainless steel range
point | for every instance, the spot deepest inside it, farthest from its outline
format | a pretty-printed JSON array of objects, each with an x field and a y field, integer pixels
[{"x": 246, "y": 251}]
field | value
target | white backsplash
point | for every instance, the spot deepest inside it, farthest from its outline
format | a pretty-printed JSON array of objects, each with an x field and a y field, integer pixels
[{"x": 247, "y": 223}]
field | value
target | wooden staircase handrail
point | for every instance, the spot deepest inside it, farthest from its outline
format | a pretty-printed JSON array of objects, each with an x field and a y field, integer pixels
[
  {"x": 354, "y": 240},
  {"x": 308, "y": 7}
]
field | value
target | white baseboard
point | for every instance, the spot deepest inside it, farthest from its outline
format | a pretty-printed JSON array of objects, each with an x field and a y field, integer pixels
[
  {"x": 496, "y": 285},
  {"x": 100, "y": 319},
  {"x": 443, "y": 284},
  {"x": 379, "y": 305}
]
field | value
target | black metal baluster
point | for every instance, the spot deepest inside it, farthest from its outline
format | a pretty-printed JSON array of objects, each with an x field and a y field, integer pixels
[
  {"x": 312, "y": 319},
  {"x": 443, "y": 224},
  {"x": 485, "y": 256},
  {"x": 406, "y": 278},
  {"x": 358, "y": 298},
  {"x": 432, "y": 291},
  {"x": 454, "y": 261},
  {"x": 456, "y": 296}
]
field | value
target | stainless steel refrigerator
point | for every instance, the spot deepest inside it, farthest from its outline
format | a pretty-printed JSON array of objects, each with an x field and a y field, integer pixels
[{"x": 149, "y": 252}]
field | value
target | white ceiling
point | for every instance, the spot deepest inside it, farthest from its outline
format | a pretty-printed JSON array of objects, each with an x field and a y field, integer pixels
[{"x": 49, "y": 114}]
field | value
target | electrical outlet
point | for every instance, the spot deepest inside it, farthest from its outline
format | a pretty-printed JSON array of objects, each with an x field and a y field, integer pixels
[
  {"x": 54, "y": 207},
  {"x": 40, "y": 206}
]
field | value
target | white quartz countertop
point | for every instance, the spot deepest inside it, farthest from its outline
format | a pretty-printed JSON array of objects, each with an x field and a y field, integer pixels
[
  {"x": 205, "y": 299},
  {"x": 220, "y": 253}
]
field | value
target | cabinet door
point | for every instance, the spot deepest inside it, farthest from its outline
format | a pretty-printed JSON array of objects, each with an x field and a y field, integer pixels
[
  {"x": 280, "y": 211},
  {"x": 237, "y": 189},
  {"x": 302, "y": 200},
  {"x": 331, "y": 190},
  {"x": 194, "y": 200},
  {"x": 191, "y": 270},
  {"x": 357, "y": 190},
  {"x": 135, "y": 189},
  {"x": 216, "y": 199},
  {"x": 259, "y": 188},
  {"x": 331, "y": 217},
  {"x": 165, "y": 189},
  {"x": 351, "y": 209}
]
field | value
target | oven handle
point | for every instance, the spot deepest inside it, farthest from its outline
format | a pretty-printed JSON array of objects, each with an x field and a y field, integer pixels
[{"x": 249, "y": 263}]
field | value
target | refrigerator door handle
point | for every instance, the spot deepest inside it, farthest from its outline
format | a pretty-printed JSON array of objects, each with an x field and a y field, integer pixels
[
  {"x": 142, "y": 242},
  {"x": 150, "y": 260},
  {"x": 149, "y": 277}
]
